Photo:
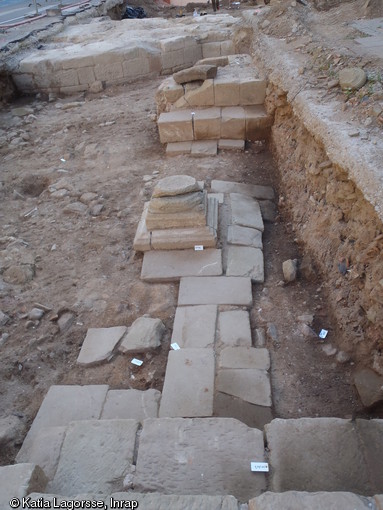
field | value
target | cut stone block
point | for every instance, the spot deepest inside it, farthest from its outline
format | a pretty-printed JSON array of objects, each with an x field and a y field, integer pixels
[
  {"x": 199, "y": 72},
  {"x": 369, "y": 385},
  {"x": 159, "y": 266},
  {"x": 244, "y": 236},
  {"x": 228, "y": 145},
  {"x": 178, "y": 148},
  {"x": 168, "y": 92},
  {"x": 217, "y": 196},
  {"x": 207, "y": 124},
  {"x": 234, "y": 327},
  {"x": 245, "y": 261},
  {"x": 99, "y": 344},
  {"x": 189, "y": 384},
  {"x": 216, "y": 61},
  {"x": 212, "y": 213},
  {"x": 226, "y": 92},
  {"x": 95, "y": 457},
  {"x": 19, "y": 480},
  {"x": 258, "y": 123},
  {"x": 44, "y": 449},
  {"x": 251, "y": 190},
  {"x": 310, "y": 501},
  {"x": 370, "y": 433},
  {"x": 144, "y": 334},
  {"x": 211, "y": 49},
  {"x": 183, "y": 238},
  {"x": 175, "y": 185},
  {"x": 248, "y": 384},
  {"x": 233, "y": 123},
  {"x": 269, "y": 210},
  {"x": 203, "y": 456},
  {"x": 142, "y": 238},
  {"x": 63, "y": 404},
  {"x": 204, "y": 148},
  {"x": 252, "y": 91},
  {"x": 177, "y": 203},
  {"x": 244, "y": 357},
  {"x": 326, "y": 452},
  {"x": 193, "y": 218},
  {"x": 202, "y": 96},
  {"x": 156, "y": 501},
  {"x": 245, "y": 211},
  {"x": 194, "y": 326},
  {"x": 131, "y": 404},
  {"x": 227, "y": 406},
  {"x": 215, "y": 291},
  {"x": 175, "y": 126}
]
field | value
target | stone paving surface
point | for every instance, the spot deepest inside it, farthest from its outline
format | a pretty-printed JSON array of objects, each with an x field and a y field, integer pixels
[
  {"x": 189, "y": 384},
  {"x": 244, "y": 357},
  {"x": 208, "y": 456},
  {"x": 234, "y": 327},
  {"x": 144, "y": 334},
  {"x": 245, "y": 261},
  {"x": 252, "y": 415},
  {"x": 18, "y": 481},
  {"x": 99, "y": 345},
  {"x": 215, "y": 290},
  {"x": 251, "y": 190},
  {"x": 194, "y": 326},
  {"x": 131, "y": 404},
  {"x": 248, "y": 384},
  {"x": 244, "y": 236},
  {"x": 245, "y": 211}
]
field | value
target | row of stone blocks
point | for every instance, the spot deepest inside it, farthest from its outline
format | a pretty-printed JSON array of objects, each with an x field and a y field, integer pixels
[{"x": 235, "y": 123}]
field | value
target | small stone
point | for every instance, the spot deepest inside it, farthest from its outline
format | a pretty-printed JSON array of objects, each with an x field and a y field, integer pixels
[
  {"x": 268, "y": 210},
  {"x": 260, "y": 337},
  {"x": 352, "y": 78},
  {"x": 289, "y": 268},
  {"x": 18, "y": 274},
  {"x": 60, "y": 193},
  {"x": 96, "y": 209},
  {"x": 272, "y": 331},
  {"x": 342, "y": 357},
  {"x": 88, "y": 197},
  {"x": 147, "y": 178},
  {"x": 21, "y": 112},
  {"x": 369, "y": 385},
  {"x": 145, "y": 333},
  {"x": 99, "y": 345},
  {"x": 265, "y": 23},
  {"x": 329, "y": 349},
  {"x": 4, "y": 337},
  {"x": 35, "y": 314},
  {"x": 65, "y": 321},
  {"x": 4, "y": 318},
  {"x": 307, "y": 318},
  {"x": 96, "y": 87},
  {"x": 332, "y": 84},
  {"x": 76, "y": 208},
  {"x": 353, "y": 133},
  {"x": 30, "y": 324},
  {"x": 307, "y": 331},
  {"x": 11, "y": 428},
  {"x": 196, "y": 73},
  {"x": 175, "y": 185}
]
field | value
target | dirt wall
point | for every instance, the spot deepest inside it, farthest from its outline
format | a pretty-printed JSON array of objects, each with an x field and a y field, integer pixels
[{"x": 336, "y": 227}]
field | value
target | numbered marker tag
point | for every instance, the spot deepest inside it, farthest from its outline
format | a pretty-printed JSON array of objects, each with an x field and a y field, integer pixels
[
  {"x": 175, "y": 346},
  {"x": 259, "y": 467},
  {"x": 323, "y": 333},
  {"x": 198, "y": 247},
  {"x": 137, "y": 362}
]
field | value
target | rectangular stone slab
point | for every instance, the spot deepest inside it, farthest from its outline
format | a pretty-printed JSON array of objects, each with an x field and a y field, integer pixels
[
  {"x": 203, "y": 148},
  {"x": 227, "y": 406},
  {"x": 194, "y": 326},
  {"x": 234, "y": 327},
  {"x": 252, "y": 190},
  {"x": 160, "y": 266},
  {"x": 156, "y": 501},
  {"x": 233, "y": 123},
  {"x": 189, "y": 384},
  {"x": 19, "y": 480},
  {"x": 245, "y": 261},
  {"x": 177, "y": 148},
  {"x": 248, "y": 384},
  {"x": 245, "y": 211},
  {"x": 175, "y": 126},
  {"x": 229, "y": 144},
  {"x": 207, "y": 124},
  {"x": 183, "y": 238},
  {"x": 244, "y": 357},
  {"x": 99, "y": 344},
  {"x": 131, "y": 404},
  {"x": 203, "y": 456},
  {"x": 244, "y": 236},
  {"x": 215, "y": 291}
]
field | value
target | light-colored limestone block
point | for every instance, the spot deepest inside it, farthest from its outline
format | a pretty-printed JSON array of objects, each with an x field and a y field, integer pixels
[
  {"x": 207, "y": 124},
  {"x": 252, "y": 91},
  {"x": 175, "y": 126},
  {"x": 233, "y": 123},
  {"x": 226, "y": 92}
]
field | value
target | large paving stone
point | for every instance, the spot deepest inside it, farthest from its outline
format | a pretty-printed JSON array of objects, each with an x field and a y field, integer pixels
[
  {"x": 183, "y": 238},
  {"x": 95, "y": 457},
  {"x": 316, "y": 454},
  {"x": 144, "y": 334},
  {"x": 371, "y": 436},
  {"x": 175, "y": 126},
  {"x": 215, "y": 291},
  {"x": 293, "y": 500},
  {"x": 245, "y": 261},
  {"x": 63, "y": 404},
  {"x": 244, "y": 357},
  {"x": 227, "y": 406},
  {"x": 159, "y": 266},
  {"x": 252, "y": 190},
  {"x": 244, "y": 236},
  {"x": 203, "y": 456},
  {"x": 175, "y": 185},
  {"x": 99, "y": 344},
  {"x": 131, "y": 404},
  {"x": 234, "y": 327},
  {"x": 189, "y": 384},
  {"x": 18, "y": 481},
  {"x": 245, "y": 211},
  {"x": 194, "y": 326},
  {"x": 251, "y": 385},
  {"x": 156, "y": 501}
]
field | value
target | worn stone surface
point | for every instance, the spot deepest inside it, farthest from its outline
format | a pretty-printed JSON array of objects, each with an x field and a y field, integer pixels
[
  {"x": 200, "y": 97},
  {"x": 252, "y": 91},
  {"x": 194, "y": 326},
  {"x": 226, "y": 91},
  {"x": 310, "y": 501},
  {"x": 215, "y": 291},
  {"x": 245, "y": 211},
  {"x": 63, "y": 404},
  {"x": 217, "y": 196},
  {"x": 229, "y": 144},
  {"x": 207, "y": 124},
  {"x": 157, "y": 501},
  {"x": 188, "y": 219},
  {"x": 251, "y": 190},
  {"x": 189, "y": 384},
  {"x": 197, "y": 72},
  {"x": 19, "y": 480},
  {"x": 131, "y": 404},
  {"x": 244, "y": 357},
  {"x": 177, "y": 148},
  {"x": 245, "y": 261},
  {"x": 175, "y": 126},
  {"x": 95, "y": 457},
  {"x": 352, "y": 78},
  {"x": 144, "y": 334},
  {"x": 176, "y": 203},
  {"x": 251, "y": 385},
  {"x": 172, "y": 265},
  {"x": 99, "y": 344},
  {"x": 203, "y": 456},
  {"x": 227, "y": 406},
  {"x": 233, "y": 123},
  {"x": 202, "y": 148},
  {"x": 234, "y": 327},
  {"x": 183, "y": 238},
  {"x": 244, "y": 236},
  {"x": 175, "y": 185},
  {"x": 326, "y": 452},
  {"x": 289, "y": 268},
  {"x": 216, "y": 61},
  {"x": 370, "y": 434},
  {"x": 369, "y": 385}
]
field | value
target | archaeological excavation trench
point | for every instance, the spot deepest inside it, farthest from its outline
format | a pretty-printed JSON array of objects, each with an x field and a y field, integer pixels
[{"x": 185, "y": 211}]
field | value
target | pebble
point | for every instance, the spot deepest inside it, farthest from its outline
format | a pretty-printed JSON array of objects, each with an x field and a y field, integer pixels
[
  {"x": 147, "y": 178},
  {"x": 96, "y": 209},
  {"x": 75, "y": 208},
  {"x": 3, "y": 338},
  {"x": 332, "y": 84},
  {"x": 329, "y": 349},
  {"x": 289, "y": 268},
  {"x": 65, "y": 321},
  {"x": 353, "y": 133},
  {"x": 86, "y": 198},
  {"x": 260, "y": 337},
  {"x": 272, "y": 331},
  {"x": 342, "y": 357},
  {"x": 307, "y": 331},
  {"x": 307, "y": 318},
  {"x": 4, "y": 318},
  {"x": 35, "y": 314}
]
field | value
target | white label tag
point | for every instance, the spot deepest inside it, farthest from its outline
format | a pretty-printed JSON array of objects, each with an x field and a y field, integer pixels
[
  {"x": 323, "y": 333},
  {"x": 137, "y": 362},
  {"x": 260, "y": 467},
  {"x": 175, "y": 346},
  {"x": 198, "y": 247}
]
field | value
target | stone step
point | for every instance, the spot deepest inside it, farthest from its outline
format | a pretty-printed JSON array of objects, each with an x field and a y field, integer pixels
[
  {"x": 251, "y": 190},
  {"x": 193, "y": 147},
  {"x": 220, "y": 290},
  {"x": 227, "y": 122}
]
